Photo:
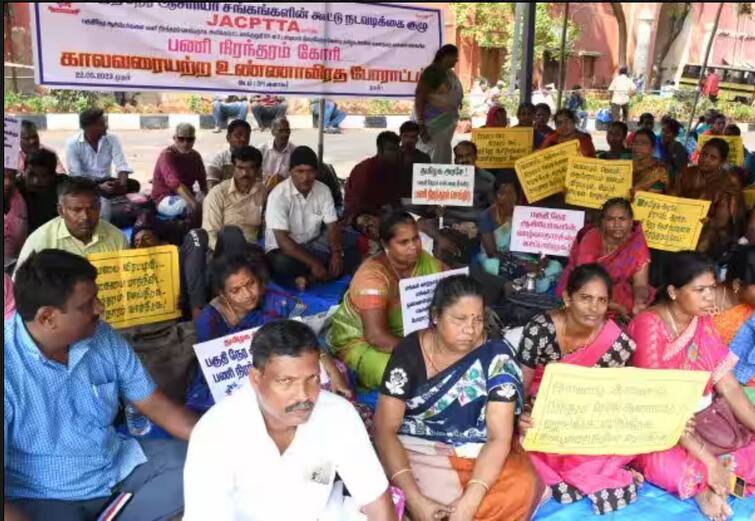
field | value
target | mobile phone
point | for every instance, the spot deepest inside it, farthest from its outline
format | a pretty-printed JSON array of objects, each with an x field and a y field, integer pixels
[{"x": 737, "y": 486}]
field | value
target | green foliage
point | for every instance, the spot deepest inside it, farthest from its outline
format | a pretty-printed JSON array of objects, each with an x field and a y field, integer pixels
[
  {"x": 11, "y": 100},
  {"x": 380, "y": 107}
]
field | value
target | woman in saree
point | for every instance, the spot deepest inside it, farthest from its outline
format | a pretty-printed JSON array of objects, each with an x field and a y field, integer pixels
[
  {"x": 678, "y": 334},
  {"x": 368, "y": 323},
  {"x": 497, "y": 117},
  {"x": 618, "y": 245},
  {"x": 566, "y": 130},
  {"x": 648, "y": 173},
  {"x": 735, "y": 298},
  {"x": 446, "y": 413},
  {"x": 578, "y": 334},
  {"x": 437, "y": 101},
  {"x": 243, "y": 302},
  {"x": 709, "y": 182},
  {"x": 494, "y": 224}
]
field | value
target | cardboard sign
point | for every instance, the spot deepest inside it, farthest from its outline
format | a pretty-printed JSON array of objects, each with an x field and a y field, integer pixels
[
  {"x": 736, "y": 147},
  {"x": 543, "y": 173},
  {"x": 416, "y": 294},
  {"x": 545, "y": 230},
  {"x": 501, "y": 147},
  {"x": 591, "y": 182},
  {"x": 670, "y": 223},
  {"x": 444, "y": 185},
  {"x": 11, "y": 141},
  {"x": 138, "y": 286},
  {"x": 591, "y": 411}
]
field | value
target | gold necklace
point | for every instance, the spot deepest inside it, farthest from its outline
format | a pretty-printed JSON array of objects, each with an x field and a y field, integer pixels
[{"x": 673, "y": 320}]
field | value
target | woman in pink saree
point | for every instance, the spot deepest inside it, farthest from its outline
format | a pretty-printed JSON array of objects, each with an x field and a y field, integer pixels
[
  {"x": 579, "y": 334},
  {"x": 679, "y": 334}
]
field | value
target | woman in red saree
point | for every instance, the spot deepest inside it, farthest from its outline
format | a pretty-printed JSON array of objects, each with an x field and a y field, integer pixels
[
  {"x": 678, "y": 334},
  {"x": 619, "y": 246},
  {"x": 579, "y": 334}
]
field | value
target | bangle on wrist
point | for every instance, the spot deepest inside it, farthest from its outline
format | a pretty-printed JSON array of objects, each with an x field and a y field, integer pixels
[
  {"x": 479, "y": 482},
  {"x": 399, "y": 472}
]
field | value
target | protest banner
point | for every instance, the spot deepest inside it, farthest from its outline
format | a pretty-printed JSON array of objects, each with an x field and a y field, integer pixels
[
  {"x": 736, "y": 147},
  {"x": 543, "y": 173},
  {"x": 293, "y": 49},
  {"x": 749, "y": 195},
  {"x": 670, "y": 223},
  {"x": 445, "y": 185},
  {"x": 591, "y": 182},
  {"x": 595, "y": 411},
  {"x": 501, "y": 147},
  {"x": 545, "y": 230},
  {"x": 416, "y": 294},
  {"x": 11, "y": 141},
  {"x": 138, "y": 286},
  {"x": 226, "y": 361}
]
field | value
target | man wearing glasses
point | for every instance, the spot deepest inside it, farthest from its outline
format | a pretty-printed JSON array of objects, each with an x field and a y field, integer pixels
[{"x": 179, "y": 167}]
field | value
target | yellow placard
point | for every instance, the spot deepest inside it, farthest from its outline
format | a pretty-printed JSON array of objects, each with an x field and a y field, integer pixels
[
  {"x": 543, "y": 173},
  {"x": 591, "y": 182},
  {"x": 138, "y": 286},
  {"x": 749, "y": 194},
  {"x": 670, "y": 223},
  {"x": 501, "y": 147},
  {"x": 736, "y": 147},
  {"x": 624, "y": 411}
]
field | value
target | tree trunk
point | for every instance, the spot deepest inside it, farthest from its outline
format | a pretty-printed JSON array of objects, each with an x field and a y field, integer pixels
[
  {"x": 677, "y": 20},
  {"x": 618, "y": 12}
]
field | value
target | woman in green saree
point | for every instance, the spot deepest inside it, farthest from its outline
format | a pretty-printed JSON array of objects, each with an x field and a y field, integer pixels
[{"x": 368, "y": 323}]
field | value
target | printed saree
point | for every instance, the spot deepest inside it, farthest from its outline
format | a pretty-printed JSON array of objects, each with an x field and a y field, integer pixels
[
  {"x": 697, "y": 348},
  {"x": 375, "y": 285},
  {"x": 651, "y": 178},
  {"x": 728, "y": 323}
]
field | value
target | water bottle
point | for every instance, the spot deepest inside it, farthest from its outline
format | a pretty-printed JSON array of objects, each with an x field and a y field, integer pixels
[{"x": 136, "y": 422}]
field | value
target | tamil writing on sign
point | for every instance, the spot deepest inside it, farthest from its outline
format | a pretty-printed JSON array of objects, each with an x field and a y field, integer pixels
[
  {"x": 225, "y": 362},
  {"x": 501, "y": 147},
  {"x": 444, "y": 185},
  {"x": 543, "y": 173},
  {"x": 670, "y": 223},
  {"x": 416, "y": 294},
  {"x": 736, "y": 147},
  {"x": 592, "y": 411},
  {"x": 545, "y": 230},
  {"x": 138, "y": 286},
  {"x": 343, "y": 49},
  {"x": 11, "y": 141},
  {"x": 591, "y": 182}
]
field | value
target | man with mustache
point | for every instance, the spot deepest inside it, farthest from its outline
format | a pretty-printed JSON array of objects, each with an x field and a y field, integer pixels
[
  {"x": 78, "y": 228},
  {"x": 273, "y": 449},
  {"x": 65, "y": 374}
]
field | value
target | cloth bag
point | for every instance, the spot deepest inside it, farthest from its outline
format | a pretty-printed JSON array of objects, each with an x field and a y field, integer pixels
[{"x": 719, "y": 428}]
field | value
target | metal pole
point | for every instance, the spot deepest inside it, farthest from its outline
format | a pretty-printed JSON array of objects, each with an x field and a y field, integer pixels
[
  {"x": 515, "y": 50},
  {"x": 321, "y": 133},
  {"x": 528, "y": 53},
  {"x": 562, "y": 62},
  {"x": 702, "y": 72}
]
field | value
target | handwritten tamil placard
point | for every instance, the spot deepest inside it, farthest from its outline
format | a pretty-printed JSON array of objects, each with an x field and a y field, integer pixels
[
  {"x": 591, "y": 182},
  {"x": 592, "y": 411},
  {"x": 545, "y": 230},
  {"x": 736, "y": 147},
  {"x": 543, "y": 173},
  {"x": 138, "y": 286},
  {"x": 416, "y": 294},
  {"x": 445, "y": 185},
  {"x": 670, "y": 223},
  {"x": 501, "y": 147},
  {"x": 11, "y": 142}
]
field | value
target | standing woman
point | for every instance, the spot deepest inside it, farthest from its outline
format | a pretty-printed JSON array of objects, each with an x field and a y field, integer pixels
[{"x": 437, "y": 102}]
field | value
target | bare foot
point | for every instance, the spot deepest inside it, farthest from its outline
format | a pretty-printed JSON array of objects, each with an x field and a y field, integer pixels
[
  {"x": 300, "y": 283},
  {"x": 712, "y": 505},
  {"x": 636, "y": 476}
]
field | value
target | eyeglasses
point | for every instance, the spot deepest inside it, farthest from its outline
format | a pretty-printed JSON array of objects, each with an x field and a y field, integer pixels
[{"x": 186, "y": 139}]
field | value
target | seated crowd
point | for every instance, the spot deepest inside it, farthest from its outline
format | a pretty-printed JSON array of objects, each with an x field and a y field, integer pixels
[{"x": 258, "y": 230}]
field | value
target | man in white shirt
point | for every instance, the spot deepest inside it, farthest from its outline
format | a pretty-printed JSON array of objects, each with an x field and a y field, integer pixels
[
  {"x": 297, "y": 248},
  {"x": 272, "y": 450},
  {"x": 276, "y": 155},
  {"x": 622, "y": 87}
]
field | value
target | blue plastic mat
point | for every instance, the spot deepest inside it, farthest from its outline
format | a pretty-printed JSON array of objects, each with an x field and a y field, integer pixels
[
  {"x": 320, "y": 297},
  {"x": 653, "y": 505}
]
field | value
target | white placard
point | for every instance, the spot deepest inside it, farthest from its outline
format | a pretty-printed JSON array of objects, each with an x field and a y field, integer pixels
[
  {"x": 428, "y": 243},
  {"x": 443, "y": 185},
  {"x": 545, "y": 230},
  {"x": 416, "y": 294},
  {"x": 11, "y": 142},
  {"x": 292, "y": 49}
]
